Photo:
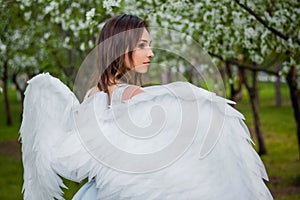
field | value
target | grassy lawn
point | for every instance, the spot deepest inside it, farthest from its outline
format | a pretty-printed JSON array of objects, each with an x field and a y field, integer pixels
[
  {"x": 11, "y": 170},
  {"x": 282, "y": 161}
]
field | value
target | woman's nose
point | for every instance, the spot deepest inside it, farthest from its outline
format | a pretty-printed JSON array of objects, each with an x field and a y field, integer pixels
[{"x": 150, "y": 53}]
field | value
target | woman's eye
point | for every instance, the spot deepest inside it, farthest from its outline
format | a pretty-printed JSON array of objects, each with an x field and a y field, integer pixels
[{"x": 141, "y": 46}]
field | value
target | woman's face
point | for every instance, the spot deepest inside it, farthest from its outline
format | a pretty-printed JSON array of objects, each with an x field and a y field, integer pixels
[{"x": 141, "y": 54}]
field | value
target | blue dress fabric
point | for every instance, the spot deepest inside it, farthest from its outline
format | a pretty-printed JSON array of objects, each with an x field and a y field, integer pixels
[{"x": 87, "y": 192}]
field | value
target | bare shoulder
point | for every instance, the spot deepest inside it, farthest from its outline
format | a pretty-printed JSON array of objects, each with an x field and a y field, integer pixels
[
  {"x": 131, "y": 91},
  {"x": 93, "y": 91}
]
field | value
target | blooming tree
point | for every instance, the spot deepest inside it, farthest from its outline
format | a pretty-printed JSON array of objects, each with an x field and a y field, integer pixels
[{"x": 248, "y": 35}]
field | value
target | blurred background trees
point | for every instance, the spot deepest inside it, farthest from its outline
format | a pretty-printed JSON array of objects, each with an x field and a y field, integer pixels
[
  {"x": 246, "y": 39},
  {"x": 251, "y": 43}
]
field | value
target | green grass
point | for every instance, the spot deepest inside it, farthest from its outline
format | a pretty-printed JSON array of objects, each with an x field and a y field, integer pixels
[
  {"x": 11, "y": 177},
  {"x": 11, "y": 170},
  {"x": 282, "y": 161},
  {"x": 10, "y": 159}
]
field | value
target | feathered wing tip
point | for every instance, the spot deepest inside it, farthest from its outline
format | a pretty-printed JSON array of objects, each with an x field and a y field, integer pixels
[
  {"x": 239, "y": 138},
  {"x": 235, "y": 139},
  {"x": 47, "y": 101},
  {"x": 240, "y": 144}
]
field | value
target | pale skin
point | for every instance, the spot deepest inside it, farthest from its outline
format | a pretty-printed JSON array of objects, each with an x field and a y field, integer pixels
[{"x": 141, "y": 56}]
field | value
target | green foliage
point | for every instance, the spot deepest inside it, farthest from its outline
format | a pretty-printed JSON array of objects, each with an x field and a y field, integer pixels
[{"x": 56, "y": 35}]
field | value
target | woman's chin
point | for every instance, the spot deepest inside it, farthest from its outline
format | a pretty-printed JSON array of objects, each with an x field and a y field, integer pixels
[{"x": 142, "y": 69}]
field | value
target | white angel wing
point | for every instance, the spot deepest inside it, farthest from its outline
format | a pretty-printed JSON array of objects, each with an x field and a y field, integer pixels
[
  {"x": 59, "y": 135},
  {"x": 218, "y": 163},
  {"x": 46, "y": 120}
]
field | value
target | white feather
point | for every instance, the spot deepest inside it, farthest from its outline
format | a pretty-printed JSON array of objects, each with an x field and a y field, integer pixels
[
  {"x": 47, "y": 107},
  {"x": 52, "y": 143}
]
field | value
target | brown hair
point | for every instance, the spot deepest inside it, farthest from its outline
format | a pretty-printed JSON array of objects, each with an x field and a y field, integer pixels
[{"x": 115, "y": 40}]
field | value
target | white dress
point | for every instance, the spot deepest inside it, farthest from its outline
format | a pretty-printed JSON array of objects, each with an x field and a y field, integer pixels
[{"x": 174, "y": 141}]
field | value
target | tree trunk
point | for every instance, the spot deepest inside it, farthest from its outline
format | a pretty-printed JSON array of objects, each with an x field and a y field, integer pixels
[
  {"x": 166, "y": 76},
  {"x": 239, "y": 93},
  {"x": 278, "y": 89},
  {"x": 230, "y": 77},
  {"x": 21, "y": 90},
  {"x": 189, "y": 72},
  {"x": 235, "y": 94},
  {"x": 5, "y": 91},
  {"x": 278, "y": 92},
  {"x": 295, "y": 99},
  {"x": 253, "y": 94}
]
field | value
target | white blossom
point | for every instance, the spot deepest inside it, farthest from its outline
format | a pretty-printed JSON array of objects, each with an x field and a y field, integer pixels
[
  {"x": 108, "y": 4},
  {"x": 82, "y": 47},
  {"x": 52, "y": 6},
  {"x": 257, "y": 58},
  {"x": 250, "y": 33},
  {"x": 73, "y": 27},
  {"x": 263, "y": 49},
  {"x": 75, "y": 5},
  {"x": 26, "y": 3},
  {"x": 3, "y": 47},
  {"x": 47, "y": 35},
  {"x": 66, "y": 43},
  {"x": 27, "y": 15},
  {"x": 16, "y": 35},
  {"x": 82, "y": 25},
  {"x": 206, "y": 15},
  {"x": 90, "y": 44},
  {"x": 222, "y": 27},
  {"x": 23, "y": 61},
  {"x": 90, "y": 14}
]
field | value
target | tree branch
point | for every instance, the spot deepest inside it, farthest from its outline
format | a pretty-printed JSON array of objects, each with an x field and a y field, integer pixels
[
  {"x": 252, "y": 67},
  {"x": 263, "y": 22}
]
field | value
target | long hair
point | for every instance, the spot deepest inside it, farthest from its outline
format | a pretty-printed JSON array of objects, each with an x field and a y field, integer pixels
[{"x": 118, "y": 37}]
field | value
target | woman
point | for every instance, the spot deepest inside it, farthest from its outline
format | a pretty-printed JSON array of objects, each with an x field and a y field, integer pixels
[
  {"x": 174, "y": 141},
  {"x": 129, "y": 49}
]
